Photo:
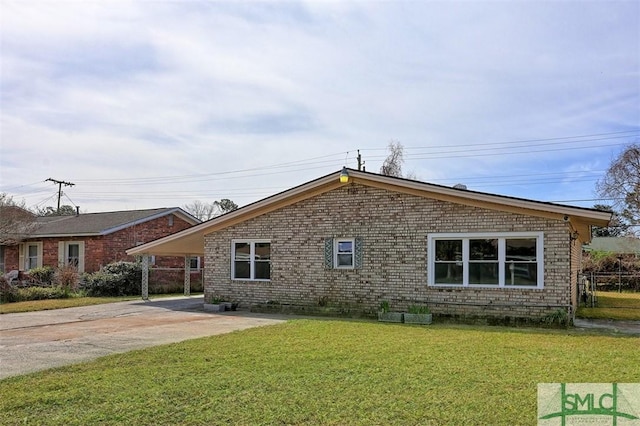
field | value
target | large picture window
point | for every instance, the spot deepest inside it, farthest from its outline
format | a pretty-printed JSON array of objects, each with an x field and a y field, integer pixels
[
  {"x": 251, "y": 260},
  {"x": 486, "y": 260}
]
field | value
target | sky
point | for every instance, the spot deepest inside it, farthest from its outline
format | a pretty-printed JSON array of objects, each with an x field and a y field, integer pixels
[{"x": 152, "y": 104}]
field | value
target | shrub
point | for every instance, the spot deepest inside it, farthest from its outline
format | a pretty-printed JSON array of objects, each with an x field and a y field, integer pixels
[
  {"x": 67, "y": 277},
  {"x": 13, "y": 294},
  {"x": 114, "y": 279},
  {"x": 8, "y": 293},
  {"x": 43, "y": 274},
  {"x": 41, "y": 293}
]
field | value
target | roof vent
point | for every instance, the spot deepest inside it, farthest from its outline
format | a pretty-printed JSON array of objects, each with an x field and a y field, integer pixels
[{"x": 460, "y": 186}]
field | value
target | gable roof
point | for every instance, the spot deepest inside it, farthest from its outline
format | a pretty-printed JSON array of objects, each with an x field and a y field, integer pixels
[
  {"x": 191, "y": 241},
  {"x": 94, "y": 224}
]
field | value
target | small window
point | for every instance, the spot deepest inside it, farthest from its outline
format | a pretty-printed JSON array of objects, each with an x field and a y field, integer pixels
[
  {"x": 32, "y": 256},
  {"x": 73, "y": 255},
  {"x": 344, "y": 251},
  {"x": 251, "y": 260},
  {"x": 194, "y": 262}
]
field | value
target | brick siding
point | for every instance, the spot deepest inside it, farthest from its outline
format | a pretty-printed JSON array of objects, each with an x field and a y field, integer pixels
[
  {"x": 394, "y": 228},
  {"x": 102, "y": 250}
]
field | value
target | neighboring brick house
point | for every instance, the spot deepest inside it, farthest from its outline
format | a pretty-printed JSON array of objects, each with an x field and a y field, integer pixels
[
  {"x": 354, "y": 244},
  {"x": 91, "y": 240}
]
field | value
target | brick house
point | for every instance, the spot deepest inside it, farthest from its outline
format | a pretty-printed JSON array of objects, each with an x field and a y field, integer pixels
[
  {"x": 356, "y": 241},
  {"x": 92, "y": 240}
]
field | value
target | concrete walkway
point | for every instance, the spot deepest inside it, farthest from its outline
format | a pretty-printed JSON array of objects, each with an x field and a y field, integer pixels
[
  {"x": 36, "y": 341},
  {"x": 616, "y": 326}
]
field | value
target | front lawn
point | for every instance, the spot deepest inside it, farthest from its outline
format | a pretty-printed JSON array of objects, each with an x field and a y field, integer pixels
[
  {"x": 618, "y": 306},
  {"x": 325, "y": 372}
]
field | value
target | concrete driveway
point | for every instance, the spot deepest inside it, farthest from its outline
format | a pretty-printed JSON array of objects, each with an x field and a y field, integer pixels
[{"x": 39, "y": 340}]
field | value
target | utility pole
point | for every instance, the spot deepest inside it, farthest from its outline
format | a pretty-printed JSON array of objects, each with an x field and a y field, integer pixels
[
  {"x": 60, "y": 183},
  {"x": 360, "y": 162}
]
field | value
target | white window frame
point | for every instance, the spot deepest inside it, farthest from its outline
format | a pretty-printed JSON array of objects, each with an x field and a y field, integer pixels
[
  {"x": 336, "y": 245},
  {"x": 501, "y": 237},
  {"x": 198, "y": 265},
  {"x": 252, "y": 259},
  {"x": 24, "y": 255},
  {"x": 63, "y": 254}
]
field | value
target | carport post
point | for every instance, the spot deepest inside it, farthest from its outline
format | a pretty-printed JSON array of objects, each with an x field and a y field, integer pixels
[
  {"x": 145, "y": 277},
  {"x": 187, "y": 275}
]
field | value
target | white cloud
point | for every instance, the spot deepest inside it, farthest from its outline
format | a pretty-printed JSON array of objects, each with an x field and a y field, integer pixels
[{"x": 114, "y": 90}]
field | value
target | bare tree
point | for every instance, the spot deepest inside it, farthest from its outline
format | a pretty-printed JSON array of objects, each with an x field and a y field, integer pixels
[
  {"x": 16, "y": 221},
  {"x": 205, "y": 211},
  {"x": 622, "y": 184},
  {"x": 392, "y": 165}
]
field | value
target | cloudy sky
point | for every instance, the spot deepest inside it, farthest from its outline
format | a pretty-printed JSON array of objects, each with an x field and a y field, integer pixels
[{"x": 160, "y": 103}]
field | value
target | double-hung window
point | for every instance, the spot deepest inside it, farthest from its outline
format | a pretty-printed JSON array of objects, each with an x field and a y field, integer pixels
[
  {"x": 344, "y": 251},
  {"x": 486, "y": 260},
  {"x": 71, "y": 253},
  {"x": 251, "y": 260},
  {"x": 30, "y": 255}
]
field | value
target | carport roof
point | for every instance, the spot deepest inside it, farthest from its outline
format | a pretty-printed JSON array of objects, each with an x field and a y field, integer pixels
[{"x": 191, "y": 241}]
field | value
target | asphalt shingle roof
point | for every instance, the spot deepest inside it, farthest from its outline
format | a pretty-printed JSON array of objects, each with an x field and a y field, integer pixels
[{"x": 95, "y": 223}]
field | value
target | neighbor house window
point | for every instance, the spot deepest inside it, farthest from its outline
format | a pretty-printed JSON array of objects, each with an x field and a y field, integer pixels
[
  {"x": 2, "y": 259},
  {"x": 71, "y": 253},
  {"x": 344, "y": 251},
  {"x": 251, "y": 260},
  {"x": 30, "y": 255},
  {"x": 486, "y": 260},
  {"x": 194, "y": 263}
]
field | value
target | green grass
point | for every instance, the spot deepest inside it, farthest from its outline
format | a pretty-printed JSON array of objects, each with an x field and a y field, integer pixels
[
  {"x": 309, "y": 372},
  {"x": 618, "y": 306},
  {"x": 43, "y": 305}
]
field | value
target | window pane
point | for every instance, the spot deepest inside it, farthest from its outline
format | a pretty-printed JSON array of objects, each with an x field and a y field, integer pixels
[
  {"x": 74, "y": 250},
  {"x": 521, "y": 249},
  {"x": 345, "y": 260},
  {"x": 263, "y": 251},
  {"x": 193, "y": 263},
  {"x": 242, "y": 251},
  {"x": 345, "y": 247},
  {"x": 263, "y": 270},
  {"x": 483, "y": 273},
  {"x": 448, "y": 273},
  {"x": 73, "y": 254},
  {"x": 242, "y": 269},
  {"x": 448, "y": 250},
  {"x": 483, "y": 249},
  {"x": 33, "y": 251},
  {"x": 517, "y": 273}
]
